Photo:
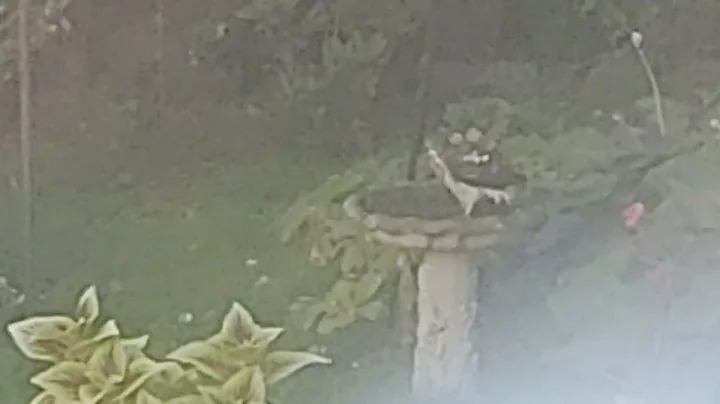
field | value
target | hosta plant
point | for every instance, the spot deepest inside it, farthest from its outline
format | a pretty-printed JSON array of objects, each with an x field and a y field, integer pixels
[
  {"x": 93, "y": 363},
  {"x": 366, "y": 269}
]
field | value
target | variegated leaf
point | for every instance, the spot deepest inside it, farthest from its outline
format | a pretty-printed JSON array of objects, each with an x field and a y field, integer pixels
[{"x": 281, "y": 364}]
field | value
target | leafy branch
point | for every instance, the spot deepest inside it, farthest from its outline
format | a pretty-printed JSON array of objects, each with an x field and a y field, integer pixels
[{"x": 341, "y": 241}]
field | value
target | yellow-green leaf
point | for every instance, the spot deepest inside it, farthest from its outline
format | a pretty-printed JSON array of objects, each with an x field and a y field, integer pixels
[
  {"x": 341, "y": 229},
  {"x": 50, "y": 348},
  {"x": 372, "y": 310},
  {"x": 386, "y": 260},
  {"x": 247, "y": 384},
  {"x": 352, "y": 258},
  {"x": 264, "y": 336},
  {"x": 165, "y": 371},
  {"x": 88, "y": 306},
  {"x": 317, "y": 257},
  {"x": 108, "y": 330},
  {"x": 323, "y": 251},
  {"x": 341, "y": 294},
  {"x": 189, "y": 399},
  {"x": 366, "y": 287},
  {"x": 144, "y": 397},
  {"x": 333, "y": 321},
  {"x": 294, "y": 219},
  {"x": 213, "y": 395},
  {"x": 238, "y": 324},
  {"x": 139, "y": 371},
  {"x": 62, "y": 330},
  {"x": 45, "y": 398},
  {"x": 91, "y": 393},
  {"x": 83, "y": 350},
  {"x": 109, "y": 361},
  {"x": 204, "y": 357},
  {"x": 365, "y": 49},
  {"x": 313, "y": 311},
  {"x": 62, "y": 380},
  {"x": 137, "y": 344},
  {"x": 281, "y": 364}
]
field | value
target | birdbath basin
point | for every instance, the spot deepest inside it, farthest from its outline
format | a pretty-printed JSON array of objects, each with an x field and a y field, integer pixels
[{"x": 424, "y": 216}]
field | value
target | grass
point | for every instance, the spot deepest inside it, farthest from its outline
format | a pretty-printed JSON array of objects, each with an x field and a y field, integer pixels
[{"x": 161, "y": 245}]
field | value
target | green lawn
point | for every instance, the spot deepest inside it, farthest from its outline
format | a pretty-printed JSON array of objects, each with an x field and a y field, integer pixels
[{"x": 159, "y": 246}]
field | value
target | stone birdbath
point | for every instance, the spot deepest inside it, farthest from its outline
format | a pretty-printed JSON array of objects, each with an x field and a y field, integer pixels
[{"x": 423, "y": 216}]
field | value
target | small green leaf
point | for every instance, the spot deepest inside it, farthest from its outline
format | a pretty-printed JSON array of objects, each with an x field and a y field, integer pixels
[
  {"x": 45, "y": 398},
  {"x": 91, "y": 393},
  {"x": 83, "y": 350},
  {"x": 366, "y": 50},
  {"x": 204, "y": 357},
  {"x": 333, "y": 321},
  {"x": 366, "y": 287},
  {"x": 245, "y": 385},
  {"x": 313, "y": 312},
  {"x": 144, "y": 397},
  {"x": 341, "y": 229},
  {"x": 137, "y": 343},
  {"x": 281, "y": 364},
  {"x": 63, "y": 379},
  {"x": 341, "y": 294},
  {"x": 264, "y": 336},
  {"x": 88, "y": 307},
  {"x": 385, "y": 260},
  {"x": 353, "y": 257},
  {"x": 238, "y": 324},
  {"x": 372, "y": 310},
  {"x": 213, "y": 395},
  {"x": 141, "y": 370},
  {"x": 108, "y": 330},
  {"x": 294, "y": 219},
  {"x": 42, "y": 338},
  {"x": 109, "y": 363},
  {"x": 188, "y": 399}
]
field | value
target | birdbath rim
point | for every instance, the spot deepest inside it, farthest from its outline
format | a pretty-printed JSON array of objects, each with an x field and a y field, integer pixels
[{"x": 422, "y": 215}]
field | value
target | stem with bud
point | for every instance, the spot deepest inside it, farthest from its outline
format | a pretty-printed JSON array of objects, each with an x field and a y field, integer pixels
[{"x": 636, "y": 39}]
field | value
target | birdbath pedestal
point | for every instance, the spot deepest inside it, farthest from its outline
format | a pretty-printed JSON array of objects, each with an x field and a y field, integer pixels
[{"x": 424, "y": 216}]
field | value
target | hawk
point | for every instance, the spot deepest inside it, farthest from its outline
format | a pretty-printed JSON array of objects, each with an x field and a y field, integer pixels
[{"x": 470, "y": 175}]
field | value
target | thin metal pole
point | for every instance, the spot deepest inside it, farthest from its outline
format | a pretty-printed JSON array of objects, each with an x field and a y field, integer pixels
[{"x": 25, "y": 140}]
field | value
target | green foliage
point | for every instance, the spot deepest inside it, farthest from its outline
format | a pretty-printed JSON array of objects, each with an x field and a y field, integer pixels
[
  {"x": 343, "y": 46},
  {"x": 621, "y": 18},
  {"x": 95, "y": 364},
  {"x": 492, "y": 116},
  {"x": 340, "y": 241},
  {"x": 537, "y": 143},
  {"x": 577, "y": 165},
  {"x": 44, "y": 18}
]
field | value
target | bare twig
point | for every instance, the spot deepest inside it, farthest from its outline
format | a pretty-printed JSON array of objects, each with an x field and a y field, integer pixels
[
  {"x": 159, "y": 54},
  {"x": 25, "y": 136}
]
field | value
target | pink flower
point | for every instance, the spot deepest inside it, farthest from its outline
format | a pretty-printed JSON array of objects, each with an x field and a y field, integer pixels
[{"x": 633, "y": 214}]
